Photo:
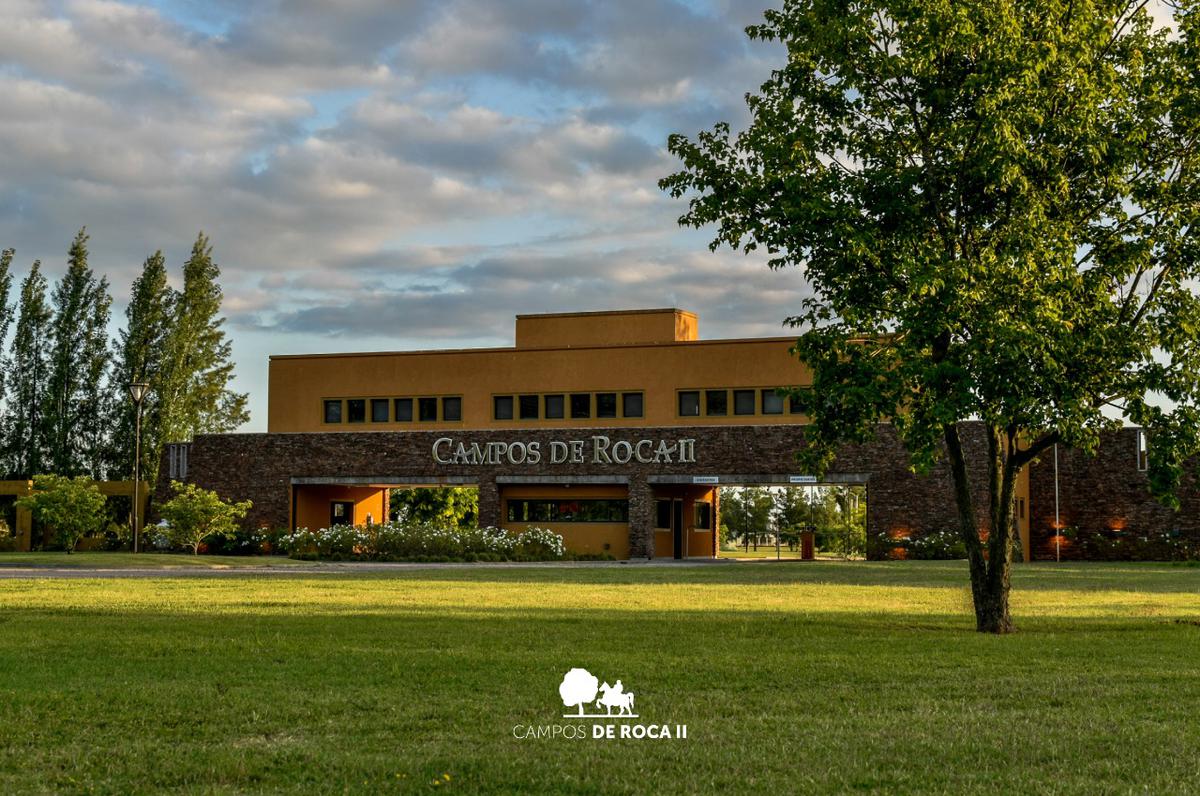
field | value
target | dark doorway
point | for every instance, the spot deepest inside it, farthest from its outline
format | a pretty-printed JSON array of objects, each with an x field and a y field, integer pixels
[
  {"x": 341, "y": 512},
  {"x": 677, "y": 526}
]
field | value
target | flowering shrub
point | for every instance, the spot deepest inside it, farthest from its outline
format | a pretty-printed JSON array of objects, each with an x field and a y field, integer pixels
[
  {"x": 938, "y": 545},
  {"x": 398, "y": 541}
]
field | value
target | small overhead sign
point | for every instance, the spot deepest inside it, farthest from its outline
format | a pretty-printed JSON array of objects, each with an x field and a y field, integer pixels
[
  {"x": 802, "y": 479},
  {"x": 706, "y": 479}
]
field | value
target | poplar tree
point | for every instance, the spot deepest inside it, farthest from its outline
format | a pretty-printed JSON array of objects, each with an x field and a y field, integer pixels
[
  {"x": 25, "y": 447},
  {"x": 141, "y": 352},
  {"x": 6, "y": 314},
  {"x": 75, "y": 407},
  {"x": 194, "y": 386}
]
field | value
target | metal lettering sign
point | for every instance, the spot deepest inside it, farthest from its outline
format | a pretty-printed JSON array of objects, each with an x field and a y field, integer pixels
[
  {"x": 802, "y": 479},
  {"x": 597, "y": 449},
  {"x": 706, "y": 479}
]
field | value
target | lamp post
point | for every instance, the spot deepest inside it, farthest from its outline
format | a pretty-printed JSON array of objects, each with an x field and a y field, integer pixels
[{"x": 137, "y": 391}]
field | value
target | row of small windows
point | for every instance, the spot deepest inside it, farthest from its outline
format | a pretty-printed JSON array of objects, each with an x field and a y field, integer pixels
[
  {"x": 393, "y": 410},
  {"x": 717, "y": 403},
  {"x": 568, "y": 510},
  {"x": 581, "y": 405}
]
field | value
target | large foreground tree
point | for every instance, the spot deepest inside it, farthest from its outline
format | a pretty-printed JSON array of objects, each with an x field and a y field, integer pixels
[{"x": 994, "y": 205}]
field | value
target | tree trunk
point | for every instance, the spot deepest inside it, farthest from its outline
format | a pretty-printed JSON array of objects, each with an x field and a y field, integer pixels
[{"x": 990, "y": 573}]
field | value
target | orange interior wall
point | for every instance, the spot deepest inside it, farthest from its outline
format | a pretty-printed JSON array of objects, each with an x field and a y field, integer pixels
[
  {"x": 696, "y": 543},
  {"x": 578, "y": 537},
  {"x": 312, "y": 504}
]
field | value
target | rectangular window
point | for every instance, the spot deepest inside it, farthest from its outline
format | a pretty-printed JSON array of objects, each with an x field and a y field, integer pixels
[
  {"x": 703, "y": 516},
  {"x": 527, "y": 405},
  {"x": 333, "y": 411},
  {"x": 502, "y": 407},
  {"x": 743, "y": 402},
  {"x": 689, "y": 403},
  {"x": 794, "y": 405},
  {"x": 716, "y": 402},
  {"x": 631, "y": 404},
  {"x": 1143, "y": 452},
  {"x": 662, "y": 514},
  {"x": 1021, "y": 508},
  {"x": 404, "y": 410},
  {"x": 452, "y": 408},
  {"x": 606, "y": 404},
  {"x": 554, "y": 407},
  {"x": 356, "y": 410},
  {"x": 772, "y": 403},
  {"x": 427, "y": 409},
  {"x": 581, "y": 405},
  {"x": 379, "y": 410},
  {"x": 550, "y": 510}
]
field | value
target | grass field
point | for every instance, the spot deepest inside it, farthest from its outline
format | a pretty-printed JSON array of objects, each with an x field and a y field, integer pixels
[{"x": 792, "y": 678}]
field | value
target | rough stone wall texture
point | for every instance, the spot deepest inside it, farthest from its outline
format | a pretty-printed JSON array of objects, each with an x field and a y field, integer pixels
[
  {"x": 901, "y": 506},
  {"x": 1105, "y": 507}
]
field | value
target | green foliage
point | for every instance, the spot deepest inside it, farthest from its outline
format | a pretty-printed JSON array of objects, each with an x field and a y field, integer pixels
[
  {"x": 141, "y": 353},
  {"x": 451, "y": 505},
  {"x": 424, "y": 541},
  {"x": 745, "y": 512},
  {"x": 195, "y": 514},
  {"x": 993, "y": 204},
  {"x": 194, "y": 395},
  {"x": 71, "y": 507},
  {"x": 77, "y": 400},
  {"x": 24, "y": 443}
]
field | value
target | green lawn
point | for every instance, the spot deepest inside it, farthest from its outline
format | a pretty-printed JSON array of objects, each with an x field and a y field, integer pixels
[
  {"x": 821, "y": 677},
  {"x": 90, "y": 560}
]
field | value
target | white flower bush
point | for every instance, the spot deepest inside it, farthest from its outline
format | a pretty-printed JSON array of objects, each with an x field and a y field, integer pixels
[{"x": 423, "y": 541}]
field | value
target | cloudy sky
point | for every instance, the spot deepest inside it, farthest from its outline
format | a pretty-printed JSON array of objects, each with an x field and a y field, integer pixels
[{"x": 380, "y": 174}]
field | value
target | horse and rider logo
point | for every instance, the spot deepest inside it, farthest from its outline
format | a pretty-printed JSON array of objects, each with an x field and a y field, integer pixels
[{"x": 579, "y": 688}]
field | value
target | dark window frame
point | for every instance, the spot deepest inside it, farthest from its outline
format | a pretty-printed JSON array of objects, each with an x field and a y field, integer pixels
[
  {"x": 499, "y": 401},
  {"x": 738, "y": 405},
  {"x": 448, "y": 415},
  {"x": 350, "y": 407},
  {"x": 532, "y": 510},
  {"x": 387, "y": 410},
  {"x": 693, "y": 394},
  {"x": 764, "y": 395},
  {"x": 529, "y": 402},
  {"x": 330, "y": 403},
  {"x": 422, "y": 403},
  {"x": 562, "y": 406},
  {"x": 603, "y": 411},
  {"x": 696, "y": 512},
  {"x": 404, "y": 415},
  {"x": 641, "y": 404},
  {"x": 722, "y": 408},
  {"x": 575, "y": 415}
]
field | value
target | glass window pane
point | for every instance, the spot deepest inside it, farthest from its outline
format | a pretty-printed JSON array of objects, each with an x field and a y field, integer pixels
[
  {"x": 716, "y": 402},
  {"x": 631, "y": 404},
  {"x": 581, "y": 405},
  {"x": 333, "y": 411},
  {"x": 794, "y": 405},
  {"x": 503, "y": 407},
  {"x": 356, "y": 410},
  {"x": 554, "y": 407},
  {"x": 606, "y": 404},
  {"x": 703, "y": 516},
  {"x": 452, "y": 408},
  {"x": 662, "y": 514},
  {"x": 529, "y": 407},
  {"x": 772, "y": 403},
  {"x": 743, "y": 402},
  {"x": 379, "y": 410},
  {"x": 427, "y": 409},
  {"x": 404, "y": 410},
  {"x": 689, "y": 403}
]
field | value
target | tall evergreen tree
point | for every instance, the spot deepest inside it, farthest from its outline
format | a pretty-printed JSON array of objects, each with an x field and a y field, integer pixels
[
  {"x": 141, "y": 351},
  {"x": 6, "y": 314},
  {"x": 24, "y": 445},
  {"x": 75, "y": 404},
  {"x": 195, "y": 395}
]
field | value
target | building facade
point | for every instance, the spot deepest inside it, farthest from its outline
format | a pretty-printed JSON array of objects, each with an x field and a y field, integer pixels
[{"x": 615, "y": 429}]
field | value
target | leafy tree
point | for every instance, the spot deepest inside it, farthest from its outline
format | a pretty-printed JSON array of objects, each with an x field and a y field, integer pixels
[
  {"x": 6, "y": 313},
  {"x": 140, "y": 358},
  {"x": 76, "y": 413},
  {"x": 195, "y": 514},
  {"x": 194, "y": 395},
  {"x": 24, "y": 444},
  {"x": 452, "y": 505},
  {"x": 72, "y": 507},
  {"x": 746, "y": 513},
  {"x": 993, "y": 204}
]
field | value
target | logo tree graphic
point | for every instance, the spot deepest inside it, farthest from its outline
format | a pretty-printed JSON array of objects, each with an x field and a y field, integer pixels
[{"x": 578, "y": 687}]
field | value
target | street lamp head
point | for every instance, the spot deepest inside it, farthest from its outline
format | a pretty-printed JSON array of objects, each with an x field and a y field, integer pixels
[{"x": 138, "y": 390}]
